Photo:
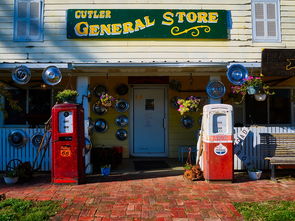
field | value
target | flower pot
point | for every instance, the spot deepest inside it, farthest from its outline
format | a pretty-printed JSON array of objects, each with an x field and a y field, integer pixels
[
  {"x": 260, "y": 97},
  {"x": 254, "y": 175},
  {"x": 105, "y": 171},
  {"x": 251, "y": 90},
  {"x": 10, "y": 180}
]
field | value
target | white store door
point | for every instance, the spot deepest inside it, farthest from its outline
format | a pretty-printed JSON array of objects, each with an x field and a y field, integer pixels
[{"x": 149, "y": 122}]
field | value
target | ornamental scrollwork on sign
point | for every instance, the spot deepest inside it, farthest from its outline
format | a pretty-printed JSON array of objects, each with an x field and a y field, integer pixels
[{"x": 195, "y": 30}]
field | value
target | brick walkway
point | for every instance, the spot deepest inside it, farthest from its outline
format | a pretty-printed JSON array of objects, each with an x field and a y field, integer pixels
[{"x": 157, "y": 198}]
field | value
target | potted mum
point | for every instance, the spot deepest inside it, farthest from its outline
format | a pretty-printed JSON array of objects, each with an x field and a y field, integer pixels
[
  {"x": 67, "y": 96},
  {"x": 253, "y": 85},
  {"x": 189, "y": 104}
]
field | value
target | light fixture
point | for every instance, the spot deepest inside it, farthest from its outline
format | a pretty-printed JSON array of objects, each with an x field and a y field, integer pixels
[{"x": 260, "y": 97}]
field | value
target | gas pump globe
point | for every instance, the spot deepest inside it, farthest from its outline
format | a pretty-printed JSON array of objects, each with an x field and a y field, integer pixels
[
  {"x": 68, "y": 143},
  {"x": 218, "y": 162}
]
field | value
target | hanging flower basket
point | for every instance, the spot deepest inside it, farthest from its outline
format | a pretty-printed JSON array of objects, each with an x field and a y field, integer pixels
[
  {"x": 106, "y": 100},
  {"x": 190, "y": 104},
  {"x": 253, "y": 85}
]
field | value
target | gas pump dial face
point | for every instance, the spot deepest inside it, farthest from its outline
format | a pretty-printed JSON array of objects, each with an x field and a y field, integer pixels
[{"x": 65, "y": 120}]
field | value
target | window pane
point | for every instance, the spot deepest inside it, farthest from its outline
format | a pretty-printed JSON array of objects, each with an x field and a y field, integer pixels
[
  {"x": 280, "y": 107},
  {"x": 34, "y": 28},
  {"x": 259, "y": 11},
  {"x": 13, "y": 116},
  {"x": 271, "y": 28},
  {"x": 256, "y": 111},
  {"x": 271, "y": 11},
  {"x": 219, "y": 123},
  {"x": 22, "y": 10},
  {"x": 34, "y": 10},
  {"x": 21, "y": 28},
  {"x": 259, "y": 28},
  {"x": 39, "y": 106}
]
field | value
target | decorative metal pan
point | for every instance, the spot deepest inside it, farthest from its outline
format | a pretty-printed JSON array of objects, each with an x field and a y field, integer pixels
[
  {"x": 17, "y": 138},
  {"x": 236, "y": 74},
  {"x": 37, "y": 139},
  {"x": 122, "y": 121},
  {"x": 122, "y": 106},
  {"x": 122, "y": 89},
  {"x": 99, "y": 109},
  {"x": 51, "y": 75},
  {"x": 21, "y": 75},
  {"x": 215, "y": 89},
  {"x": 121, "y": 134},
  {"x": 99, "y": 90},
  {"x": 101, "y": 125},
  {"x": 187, "y": 122}
]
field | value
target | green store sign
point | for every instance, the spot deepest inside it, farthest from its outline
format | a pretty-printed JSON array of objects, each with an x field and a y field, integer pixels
[{"x": 146, "y": 24}]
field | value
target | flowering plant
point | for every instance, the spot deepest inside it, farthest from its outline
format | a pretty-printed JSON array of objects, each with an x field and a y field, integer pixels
[
  {"x": 106, "y": 100},
  {"x": 189, "y": 104},
  {"x": 252, "y": 85}
]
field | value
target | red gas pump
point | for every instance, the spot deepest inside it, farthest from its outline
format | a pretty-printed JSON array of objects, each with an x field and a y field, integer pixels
[
  {"x": 68, "y": 143},
  {"x": 218, "y": 164}
]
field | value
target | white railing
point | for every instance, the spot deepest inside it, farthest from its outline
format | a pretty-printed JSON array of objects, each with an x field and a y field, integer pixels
[
  {"x": 252, "y": 148},
  {"x": 25, "y": 153}
]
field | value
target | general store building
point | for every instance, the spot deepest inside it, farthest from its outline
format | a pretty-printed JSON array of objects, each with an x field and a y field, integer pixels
[{"x": 160, "y": 50}]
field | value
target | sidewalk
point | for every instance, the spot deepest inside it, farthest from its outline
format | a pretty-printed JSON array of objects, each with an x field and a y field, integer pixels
[{"x": 159, "y": 195}]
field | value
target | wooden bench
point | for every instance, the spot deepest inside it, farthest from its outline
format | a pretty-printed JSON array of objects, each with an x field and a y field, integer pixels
[{"x": 279, "y": 149}]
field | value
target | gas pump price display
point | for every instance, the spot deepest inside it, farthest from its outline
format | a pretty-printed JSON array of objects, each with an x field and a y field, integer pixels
[{"x": 65, "y": 122}]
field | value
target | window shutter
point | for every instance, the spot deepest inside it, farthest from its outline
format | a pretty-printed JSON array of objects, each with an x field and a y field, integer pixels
[
  {"x": 265, "y": 20},
  {"x": 271, "y": 20},
  {"x": 34, "y": 19},
  {"x": 28, "y": 20}
]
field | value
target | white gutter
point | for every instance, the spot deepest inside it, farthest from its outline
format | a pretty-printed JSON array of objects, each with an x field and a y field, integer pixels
[{"x": 129, "y": 65}]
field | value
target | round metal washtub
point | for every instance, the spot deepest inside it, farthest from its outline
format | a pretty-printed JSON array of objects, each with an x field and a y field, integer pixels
[
  {"x": 121, "y": 121},
  {"x": 51, "y": 75},
  {"x": 99, "y": 109},
  {"x": 215, "y": 89},
  {"x": 237, "y": 74},
  {"x": 17, "y": 138},
  {"x": 21, "y": 75},
  {"x": 99, "y": 90},
  {"x": 122, "y": 89},
  {"x": 121, "y": 134},
  {"x": 37, "y": 139},
  {"x": 122, "y": 106},
  {"x": 187, "y": 122},
  {"x": 100, "y": 125}
]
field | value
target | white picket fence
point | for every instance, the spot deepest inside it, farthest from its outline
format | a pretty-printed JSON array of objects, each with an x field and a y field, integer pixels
[
  {"x": 25, "y": 153},
  {"x": 251, "y": 147}
]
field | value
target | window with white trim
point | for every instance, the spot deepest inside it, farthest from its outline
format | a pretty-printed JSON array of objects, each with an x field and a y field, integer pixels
[
  {"x": 28, "y": 20},
  {"x": 266, "y": 21}
]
